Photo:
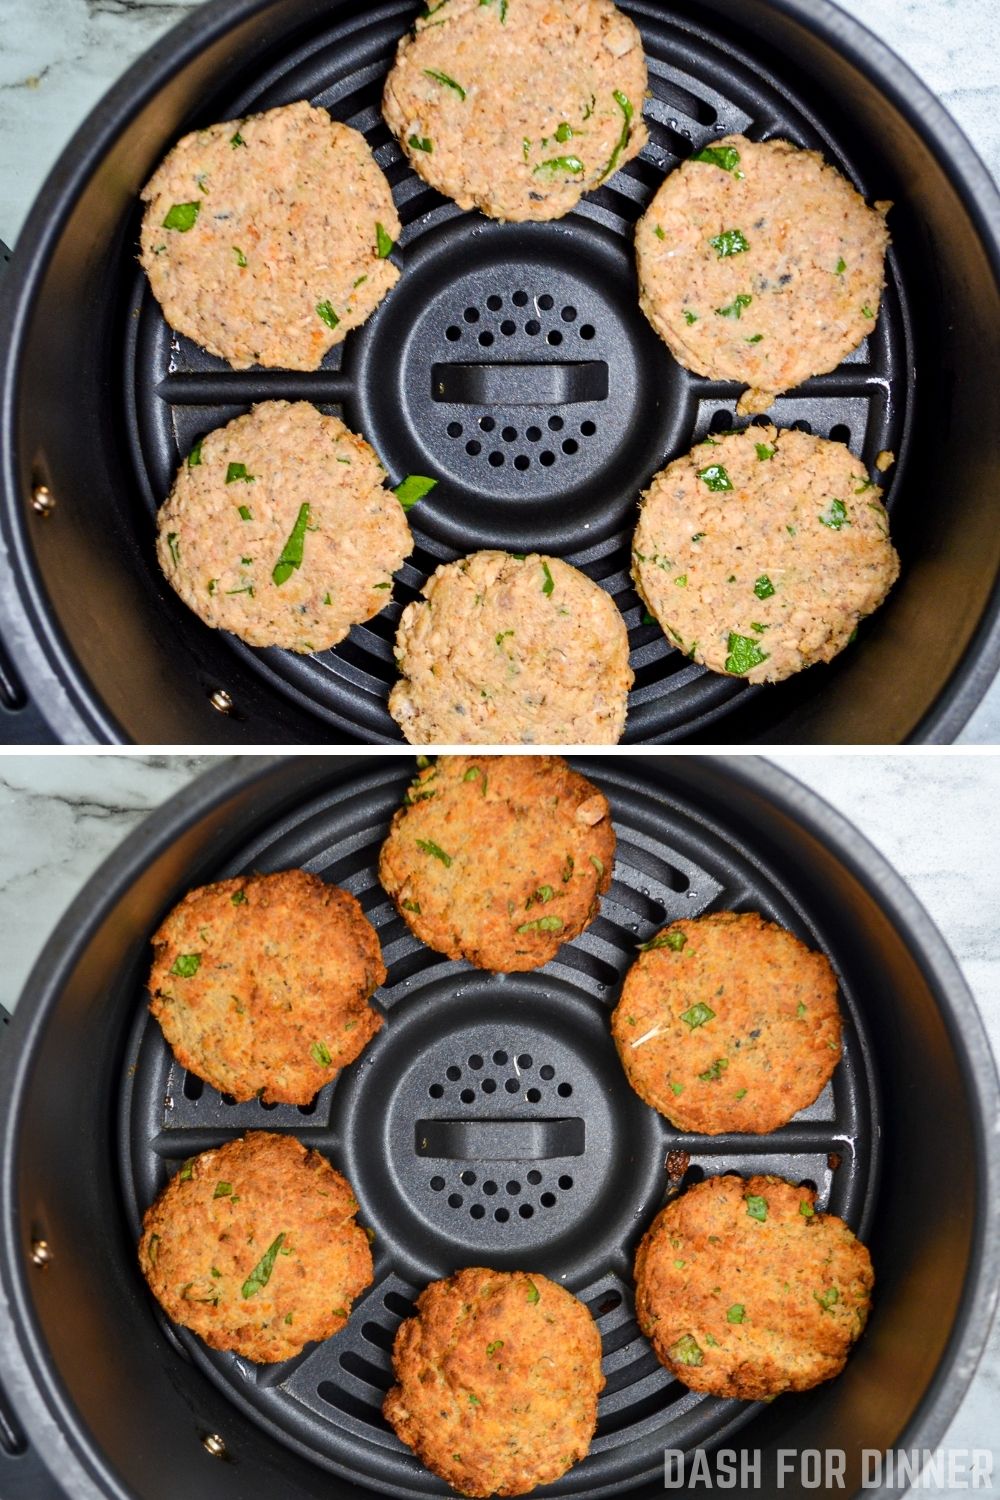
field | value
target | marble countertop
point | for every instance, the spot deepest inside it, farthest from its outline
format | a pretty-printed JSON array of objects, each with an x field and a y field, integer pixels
[
  {"x": 935, "y": 817},
  {"x": 58, "y": 57}
]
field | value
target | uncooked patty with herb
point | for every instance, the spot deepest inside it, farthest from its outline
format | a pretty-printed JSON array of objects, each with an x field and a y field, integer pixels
[
  {"x": 760, "y": 552},
  {"x": 266, "y": 240},
  {"x": 517, "y": 107},
  {"x": 499, "y": 1375},
  {"x": 499, "y": 859},
  {"x": 728, "y": 1022},
  {"x": 506, "y": 650},
  {"x": 744, "y": 1289},
  {"x": 280, "y": 529},
  {"x": 261, "y": 984},
  {"x": 758, "y": 262},
  {"x": 254, "y": 1247}
]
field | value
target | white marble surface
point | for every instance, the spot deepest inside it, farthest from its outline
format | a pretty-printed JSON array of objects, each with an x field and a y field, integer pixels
[
  {"x": 936, "y": 817},
  {"x": 57, "y": 57}
]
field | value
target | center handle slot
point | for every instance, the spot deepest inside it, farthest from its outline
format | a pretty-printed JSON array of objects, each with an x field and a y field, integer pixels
[
  {"x": 527, "y": 384},
  {"x": 500, "y": 1140}
]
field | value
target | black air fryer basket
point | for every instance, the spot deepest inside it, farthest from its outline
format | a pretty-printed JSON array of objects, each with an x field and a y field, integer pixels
[
  {"x": 100, "y": 1396},
  {"x": 513, "y": 363}
]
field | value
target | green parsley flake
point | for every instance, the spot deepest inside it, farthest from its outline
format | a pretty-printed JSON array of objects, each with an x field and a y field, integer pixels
[
  {"x": 744, "y": 654},
  {"x": 413, "y": 489},
  {"x": 757, "y": 1208},
  {"x": 549, "y": 584},
  {"x": 187, "y": 1170},
  {"x": 494, "y": 1348},
  {"x": 735, "y": 308},
  {"x": 730, "y": 242},
  {"x": 841, "y": 266},
  {"x": 174, "y": 545},
  {"x": 725, "y": 157},
  {"x": 223, "y": 1190},
  {"x": 239, "y": 473},
  {"x": 686, "y": 1351},
  {"x": 241, "y": 259},
  {"x": 806, "y": 1210},
  {"x": 559, "y": 166},
  {"x": 658, "y": 232},
  {"x": 246, "y": 514},
  {"x": 764, "y": 451},
  {"x": 836, "y": 516},
  {"x": 624, "y": 103},
  {"x": 698, "y": 1015},
  {"x": 543, "y": 924},
  {"x": 236, "y": 140},
  {"x": 261, "y": 1273},
  {"x": 598, "y": 865},
  {"x": 866, "y": 311},
  {"x": 384, "y": 243},
  {"x": 421, "y": 143},
  {"x": 763, "y": 588},
  {"x": 533, "y": 1292},
  {"x": 292, "y": 553},
  {"x": 238, "y": 898},
  {"x": 449, "y": 83},
  {"x": 194, "y": 457},
  {"x": 320, "y": 1053},
  {"x": 690, "y": 317},
  {"x": 186, "y": 965},
  {"x": 715, "y": 1072},
  {"x": 828, "y": 1298},
  {"x": 326, "y": 312},
  {"x": 736, "y": 1314},
  {"x": 674, "y": 940},
  {"x": 413, "y": 906},
  {"x": 755, "y": 340},
  {"x": 716, "y": 478},
  {"x": 182, "y": 217},
  {"x": 677, "y": 1088},
  {"x": 427, "y": 847}
]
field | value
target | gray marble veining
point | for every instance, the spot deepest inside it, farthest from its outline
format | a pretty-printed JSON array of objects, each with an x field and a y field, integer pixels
[{"x": 935, "y": 817}]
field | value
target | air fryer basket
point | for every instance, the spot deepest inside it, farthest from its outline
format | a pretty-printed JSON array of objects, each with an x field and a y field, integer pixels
[
  {"x": 513, "y": 363},
  {"x": 557, "y": 1167}
]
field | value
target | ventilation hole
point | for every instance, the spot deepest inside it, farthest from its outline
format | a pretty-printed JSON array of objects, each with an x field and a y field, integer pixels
[
  {"x": 522, "y": 462},
  {"x": 501, "y": 1215},
  {"x": 228, "y": 1100},
  {"x": 467, "y": 1096},
  {"x": 608, "y": 1304},
  {"x": 437, "y": 1183},
  {"x": 547, "y": 1071},
  {"x": 468, "y": 1178},
  {"x": 496, "y": 460},
  {"x": 473, "y": 449},
  {"x": 509, "y": 435},
  {"x": 571, "y": 446},
  {"x": 801, "y": 426},
  {"x": 556, "y": 424},
  {"x": 721, "y": 421},
  {"x": 512, "y": 1085},
  {"x": 554, "y": 338},
  {"x": 513, "y": 1188},
  {"x": 534, "y": 1177},
  {"x": 454, "y": 1200},
  {"x": 454, "y": 1073},
  {"x": 533, "y": 434},
  {"x": 807, "y": 1182},
  {"x": 494, "y": 303},
  {"x": 564, "y": 1090},
  {"x": 533, "y": 1096},
  {"x": 520, "y": 299},
  {"x": 307, "y": 1109},
  {"x": 546, "y": 303},
  {"x": 486, "y": 339},
  {"x": 475, "y": 1061},
  {"x": 588, "y": 428},
  {"x": 472, "y": 314},
  {"x": 569, "y": 314},
  {"x": 587, "y": 331},
  {"x": 193, "y": 1087},
  {"x": 524, "y": 1061},
  {"x": 487, "y": 423},
  {"x": 270, "y": 1106},
  {"x": 489, "y": 1085},
  {"x": 546, "y": 459},
  {"x": 477, "y": 1211},
  {"x": 401, "y": 1306},
  {"x": 454, "y": 429},
  {"x": 507, "y": 328},
  {"x": 355, "y": 1364},
  {"x": 525, "y": 1210},
  {"x": 375, "y": 1334},
  {"x": 692, "y": 1175},
  {"x": 761, "y": 420},
  {"x": 436, "y": 1090},
  {"x": 840, "y": 433},
  {"x": 453, "y": 334},
  {"x": 548, "y": 1200},
  {"x": 532, "y": 327},
  {"x": 500, "y": 1058},
  {"x": 489, "y": 1188},
  {"x": 564, "y": 1182}
]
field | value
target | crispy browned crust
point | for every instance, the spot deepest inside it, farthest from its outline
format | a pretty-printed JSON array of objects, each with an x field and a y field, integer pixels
[
  {"x": 279, "y": 999},
  {"x": 211, "y": 1229},
  {"x": 738, "y": 1306},
  {"x": 499, "y": 1375},
  {"x": 767, "y": 1050},
  {"x": 530, "y": 849}
]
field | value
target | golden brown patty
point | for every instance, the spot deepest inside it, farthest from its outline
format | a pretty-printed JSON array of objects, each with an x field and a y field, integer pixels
[
  {"x": 261, "y": 984},
  {"x": 744, "y": 1290},
  {"x": 506, "y": 650},
  {"x": 760, "y": 552},
  {"x": 517, "y": 107},
  {"x": 499, "y": 859},
  {"x": 499, "y": 1375},
  {"x": 254, "y": 1247},
  {"x": 760, "y": 263},
  {"x": 727, "y": 1022},
  {"x": 279, "y": 528},
  {"x": 265, "y": 240}
]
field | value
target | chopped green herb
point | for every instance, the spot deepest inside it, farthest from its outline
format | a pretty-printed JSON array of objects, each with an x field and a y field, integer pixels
[
  {"x": 658, "y": 232},
  {"x": 261, "y": 1273},
  {"x": 384, "y": 243},
  {"x": 381, "y": 585},
  {"x": 866, "y": 311},
  {"x": 186, "y": 965},
  {"x": 288, "y": 1317},
  {"x": 239, "y": 898},
  {"x": 711, "y": 1341},
  {"x": 246, "y": 589},
  {"x": 699, "y": 536},
  {"x": 736, "y": 1313},
  {"x": 716, "y": 478},
  {"x": 245, "y": 513},
  {"x": 800, "y": 1009},
  {"x": 726, "y": 157},
  {"x": 543, "y": 894},
  {"x": 223, "y": 1190},
  {"x": 564, "y": 133},
  {"x": 558, "y": 165},
  {"x": 174, "y": 545},
  {"x": 421, "y": 143},
  {"x": 682, "y": 581},
  {"x": 339, "y": 1312},
  {"x": 153, "y": 1248},
  {"x": 690, "y": 317},
  {"x": 763, "y": 588},
  {"x": 841, "y": 266},
  {"x": 187, "y": 1170},
  {"x": 806, "y": 1210},
  {"x": 549, "y": 584},
  {"x": 413, "y": 906},
  {"x": 744, "y": 654},
  {"x": 715, "y": 1072},
  {"x": 474, "y": 1400},
  {"x": 543, "y": 924},
  {"x": 764, "y": 451},
  {"x": 241, "y": 259},
  {"x": 755, "y": 340},
  {"x": 677, "y": 1088},
  {"x": 292, "y": 553},
  {"x": 427, "y": 847},
  {"x": 503, "y": 8},
  {"x": 326, "y": 312},
  {"x": 320, "y": 1053},
  {"x": 213, "y": 584},
  {"x": 756, "y": 625},
  {"x": 729, "y": 242},
  {"x": 360, "y": 282},
  {"x": 494, "y": 1348},
  {"x": 673, "y": 940},
  {"x": 624, "y": 103},
  {"x": 533, "y": 1293},
  {"x": 757, "y": 1208},
  {"x": 735, "y": 308},
  {"x": 236, "y": 140},
  {"x": 697, "y": 1015},
  {"x": 327, "y": 598},
  {"x": 449, "y": 83},
  {"x": 686, "y": 1351},
  {"x": 413, "y": 489},
  {"x": 239, "y": 473},
  {"x": 836, "y": 516},
  {"x": 182, "y": 217},
  {"x": 740, "y": 1093},
  {"x": 567, "y": 870},
  {"x": 598, "y": 865},
  {"x": 828, "y": 1298},
  {"x": 194, "y": 457},
  {"x": 502, "y": 636},
  {"x": 866, "y": 484}
]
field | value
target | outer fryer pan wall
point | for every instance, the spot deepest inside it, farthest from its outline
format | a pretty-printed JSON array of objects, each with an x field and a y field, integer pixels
[{"x": 81, "y": 1339}]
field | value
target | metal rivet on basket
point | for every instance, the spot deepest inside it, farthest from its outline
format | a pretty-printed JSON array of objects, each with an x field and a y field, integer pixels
[
  {"x": 43, "y": 502},
  {"x": 221, "y": 701},
  {"x": 41, "y": 1252},
  {"x": 214, "y": 1444}
]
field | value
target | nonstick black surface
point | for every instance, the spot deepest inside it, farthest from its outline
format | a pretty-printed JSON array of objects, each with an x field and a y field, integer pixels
[
  {"x": 513, "y": 362},
  {"x": 581, "y": 1167}
]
